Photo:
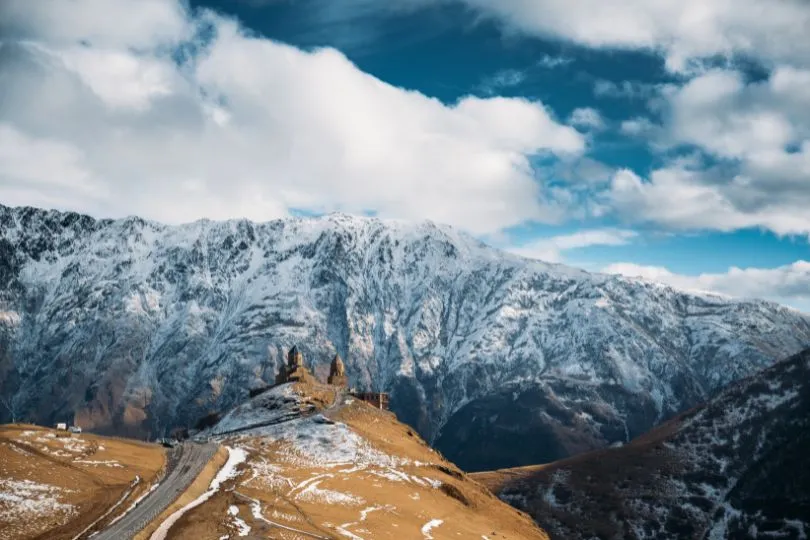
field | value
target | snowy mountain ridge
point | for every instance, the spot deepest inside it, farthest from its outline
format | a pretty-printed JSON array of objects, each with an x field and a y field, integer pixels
[{"x": 135, "y": 326}]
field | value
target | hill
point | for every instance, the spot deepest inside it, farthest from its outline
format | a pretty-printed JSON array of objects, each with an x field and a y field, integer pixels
[
  {"x": 318, "y": 463},
  {"x": 733, "y": 468},
  {"x": 54, "y": 485}
]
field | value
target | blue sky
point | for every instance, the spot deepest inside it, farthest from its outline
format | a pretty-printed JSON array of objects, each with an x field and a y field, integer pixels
[{"x": 668, "y": 140}]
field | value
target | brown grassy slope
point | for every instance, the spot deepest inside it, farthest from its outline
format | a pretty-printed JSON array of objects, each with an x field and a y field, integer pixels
[
  {"x": 735, "y": 467},
  {"x": 392, "y": 486},
  {"x": 56, "y": 485},
  {"x": 603, "y": 476}
]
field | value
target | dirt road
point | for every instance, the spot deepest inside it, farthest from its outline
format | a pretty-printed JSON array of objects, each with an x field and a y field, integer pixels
[{"x": 189, "y": 461}]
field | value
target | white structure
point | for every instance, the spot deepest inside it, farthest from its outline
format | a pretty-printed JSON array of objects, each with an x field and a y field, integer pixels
[
  {"x": 61, "y": 426},
  {"x": 75, "y": 429}
]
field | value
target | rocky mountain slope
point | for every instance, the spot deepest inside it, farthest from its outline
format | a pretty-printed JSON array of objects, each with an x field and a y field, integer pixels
[
  {"x": 734, "y": 468},
  {"x": 134, "y": 327}
]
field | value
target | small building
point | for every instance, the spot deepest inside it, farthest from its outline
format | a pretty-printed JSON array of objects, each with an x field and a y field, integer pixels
[
  {"x": 378, "y": 400},
  {"x": 61, "y": 426},
  {"x": 75, "y": 429}
]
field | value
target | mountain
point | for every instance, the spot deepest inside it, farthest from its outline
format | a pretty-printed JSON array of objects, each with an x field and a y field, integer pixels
[
  {"x": 733, "y": 468},
  {"x": 133, "y": 327}
]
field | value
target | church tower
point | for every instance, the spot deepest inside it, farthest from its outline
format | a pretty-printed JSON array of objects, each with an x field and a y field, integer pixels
[
  {"x": 294, "y": 371},
  {"x": 337, "y": 372}
]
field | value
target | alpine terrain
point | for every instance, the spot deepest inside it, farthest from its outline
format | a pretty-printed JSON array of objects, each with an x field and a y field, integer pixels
[
  {"x": 132, "y": 327},
  {"x": 733, "y": 468}
]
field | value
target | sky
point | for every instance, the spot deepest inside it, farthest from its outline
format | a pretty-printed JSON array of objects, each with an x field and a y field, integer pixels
[{"x": 668, "y": 140}]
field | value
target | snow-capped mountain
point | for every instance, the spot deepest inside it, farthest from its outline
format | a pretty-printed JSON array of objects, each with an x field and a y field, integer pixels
[
  {"x": 134, "y": 327},
  {"x": 734, "y": 468}
]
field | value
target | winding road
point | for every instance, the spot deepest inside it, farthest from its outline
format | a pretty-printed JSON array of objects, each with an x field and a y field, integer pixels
[{"x": 185, "y": 464}]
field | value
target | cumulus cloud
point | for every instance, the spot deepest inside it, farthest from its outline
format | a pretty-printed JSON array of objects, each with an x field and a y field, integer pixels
[
  {"x": 639, "y": 127},
  {"x": 757, "y": 136},
  {"x": 788, "y": 284},
  {"x": 105, "y": 23},
  {"x": 172, "y": 115},
  {"x": 586, "y": 118},
  {"x": 552, "y": 249},
  {"x": 684, "y": 31}
]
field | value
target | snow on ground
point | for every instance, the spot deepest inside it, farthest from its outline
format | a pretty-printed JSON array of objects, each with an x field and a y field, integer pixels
[
  {"x": 17, "y": 449},
  {"x": 67, "y": 446},
  {"x": 256, "y": 511},
  {"x": 26, "y": 500},
  {"x": 314, "y": 444},
  {"x": 228, "y": 471},
  {"x": 242, "y": 528},
  {"x": 312, "y": 493},
  {"x": 344, "y": 528},
  {"x": 110, "y": 463},
  {"x": 429, "y": 526},
  {"x": 274, "y": 405},
  {"x": 266, "y": 475}
]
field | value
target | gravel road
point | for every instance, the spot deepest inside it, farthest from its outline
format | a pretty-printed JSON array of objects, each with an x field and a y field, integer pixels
[{"x": 187, "y": 461}]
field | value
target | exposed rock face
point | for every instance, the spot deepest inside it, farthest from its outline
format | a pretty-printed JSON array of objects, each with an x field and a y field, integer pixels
[
  {"x": 141, "y": 327},
  {"x": 734, "y": 468}
]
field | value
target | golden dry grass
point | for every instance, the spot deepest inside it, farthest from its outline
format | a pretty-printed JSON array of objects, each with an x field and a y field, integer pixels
[
  {"x": 281, "y": 493},
  {"x": 82, "y": 476}
]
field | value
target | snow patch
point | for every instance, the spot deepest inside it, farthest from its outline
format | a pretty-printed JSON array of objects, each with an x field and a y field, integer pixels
[
  {"x": 236, "y": 456},
  {"x": 429, "y": 526},
  {"x": 22, "y": 500}
]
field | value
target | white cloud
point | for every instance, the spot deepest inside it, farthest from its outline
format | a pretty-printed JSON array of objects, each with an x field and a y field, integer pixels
[
  {"x": 550, "y": 62},
  {"x": 720, "y": 113},
  {"x": 683, "y": 30},
  {"x": 43, "y": 172},
  {"x": 788, "y": 284},
  {"x": 121, "y": 79},
  {"x": 625, "y": 89},
  {"x": 507, "y": 78},
  {"x": 552, "y": 249},
  {"x": 758, "y": 136},
  {"x": 639, "y": 127},
  {"x": 587, "y": 118},
  {"x": 253, "y": 128},
  {"x": 103, "y": 23}
]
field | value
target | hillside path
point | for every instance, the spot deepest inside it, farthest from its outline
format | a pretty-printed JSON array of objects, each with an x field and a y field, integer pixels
[{"x": 186, "y": 467}]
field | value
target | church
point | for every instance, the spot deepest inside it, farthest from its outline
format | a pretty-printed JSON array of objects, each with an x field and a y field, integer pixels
[{"x": 295, "y": 371}]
